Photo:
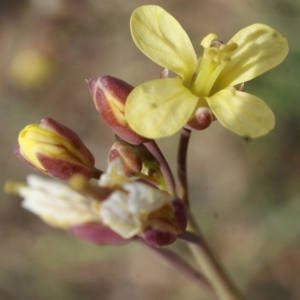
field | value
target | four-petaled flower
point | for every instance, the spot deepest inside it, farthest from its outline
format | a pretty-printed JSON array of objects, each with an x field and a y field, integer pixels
[{"x": 159, "y": 108}]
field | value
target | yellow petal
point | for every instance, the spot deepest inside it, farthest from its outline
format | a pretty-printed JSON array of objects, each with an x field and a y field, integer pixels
[
  {"x": 242, "y": 113},
  {"x": 159, "y": 108},
  {"x": 260, "y": 48},
  {"x": 160, "y": 37}
]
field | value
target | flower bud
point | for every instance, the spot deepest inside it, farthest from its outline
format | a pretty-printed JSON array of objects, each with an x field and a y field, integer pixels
[
  {"x": 109, "y": 95},
  {"x": 164, "y": 225},
  {"x": 130, "y": 159},
  {"x": 138, "y": 161},
  {"x": 201, "y": 120},
  {"x": 55, "y": 150}
]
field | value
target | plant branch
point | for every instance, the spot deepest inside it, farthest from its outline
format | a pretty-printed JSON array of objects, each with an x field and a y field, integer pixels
[
  {"x": 183, "y": 267},
  {"x": 181, "y": 165},
  {"x": 210, "y": 266},
  {"x": 208, "y": 263},
  {"x": 164, "y": 166}
]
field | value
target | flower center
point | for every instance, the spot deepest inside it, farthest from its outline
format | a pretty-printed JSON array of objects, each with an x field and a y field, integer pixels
[{"x": 215, "y": 57}]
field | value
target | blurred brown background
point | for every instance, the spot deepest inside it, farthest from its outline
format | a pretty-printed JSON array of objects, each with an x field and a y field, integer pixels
[{"x": 246, "y": 194}]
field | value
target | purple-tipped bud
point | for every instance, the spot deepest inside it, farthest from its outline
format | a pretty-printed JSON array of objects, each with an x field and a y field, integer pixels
[
  {"x": 97, "y": 233},
  {"x": 109, "y": 95},
  {"x": 131, "y": 160},
  {"x": 55, "y": 150}
]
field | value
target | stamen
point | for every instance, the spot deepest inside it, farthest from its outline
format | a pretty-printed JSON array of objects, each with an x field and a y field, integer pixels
[
  {"x": 213, "y": 61},
  {"x": 229, "y": 47},
  {"x": 208, "y": 39},
  {"x": 13, "y": 187},
  {"x": 79, "y": 183}
]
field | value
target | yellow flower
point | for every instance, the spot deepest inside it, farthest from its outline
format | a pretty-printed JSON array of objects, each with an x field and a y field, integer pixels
[{"x": 159, "y": 108}]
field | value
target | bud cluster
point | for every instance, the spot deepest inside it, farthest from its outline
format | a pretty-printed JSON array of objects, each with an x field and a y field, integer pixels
[{"x": 130, "y": 198}]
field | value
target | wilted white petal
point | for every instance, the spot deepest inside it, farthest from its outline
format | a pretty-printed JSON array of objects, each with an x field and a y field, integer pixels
[
  {"x": 56, "y": 203},
  {"x": 126, "y": 211},
  {"x": 143, "y": 199}
]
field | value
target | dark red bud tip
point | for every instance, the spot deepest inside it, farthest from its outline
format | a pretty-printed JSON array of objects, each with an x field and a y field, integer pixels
[
  {"x": 97, "y": 234},
  {"x": 117, "y": 88},
  {"x": 158, "y": 238},
  {"x": 180, "y": 213}
]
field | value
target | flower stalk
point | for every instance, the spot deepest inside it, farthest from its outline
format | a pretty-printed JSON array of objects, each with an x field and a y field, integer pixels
[
  {"x": 181, "y": 165},
  {"x": 211, "y": 267},
  {"x": 164, "y": 166},
  {"x": 206, "y": 260},
  {"x": 184, "y": 268}
]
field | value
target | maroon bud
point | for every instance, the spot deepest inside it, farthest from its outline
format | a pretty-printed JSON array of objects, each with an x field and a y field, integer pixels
[
  {"x": 201, "y": 120},
  {"x": 131, "y": 160},
  {"x": 158, "y": 238},
  {"x": 109, "y": 95}
]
